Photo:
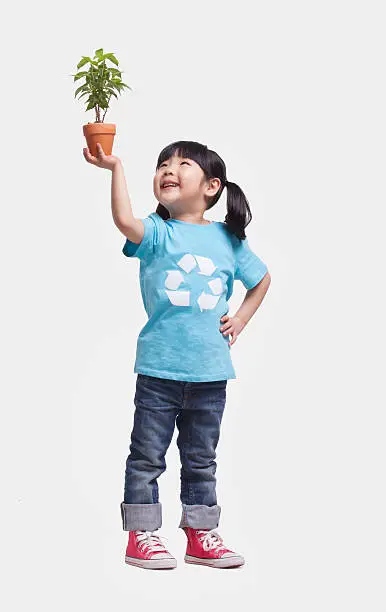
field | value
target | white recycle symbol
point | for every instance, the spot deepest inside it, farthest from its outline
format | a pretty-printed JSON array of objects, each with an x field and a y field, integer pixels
[{"x": 206, "y": 301}]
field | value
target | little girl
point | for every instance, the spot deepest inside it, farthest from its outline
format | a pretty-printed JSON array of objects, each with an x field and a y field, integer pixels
[{"x": 187, "y": 269}]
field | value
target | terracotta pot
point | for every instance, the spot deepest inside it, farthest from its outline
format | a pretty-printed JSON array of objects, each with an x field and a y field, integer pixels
[{"x": 100, "y": 132}]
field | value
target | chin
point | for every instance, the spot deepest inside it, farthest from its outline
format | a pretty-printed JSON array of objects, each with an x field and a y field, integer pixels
[{"x": 174, "y": 201}]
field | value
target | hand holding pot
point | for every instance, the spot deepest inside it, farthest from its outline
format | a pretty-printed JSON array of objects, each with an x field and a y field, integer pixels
[{"x": 102, "y": 160}]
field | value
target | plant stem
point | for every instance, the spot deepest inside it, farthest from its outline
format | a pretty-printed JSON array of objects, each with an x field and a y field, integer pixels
[{"x": 103, "y": 118}]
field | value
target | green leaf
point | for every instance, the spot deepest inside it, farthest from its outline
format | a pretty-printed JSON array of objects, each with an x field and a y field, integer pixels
[
  {"x": 83, "y": 87},
  {"x": 112, "y": 58},
  {"x": 79, "y": 75},
  {"x": 113, "y": 93},
  {"x": 84, "y": 61}
]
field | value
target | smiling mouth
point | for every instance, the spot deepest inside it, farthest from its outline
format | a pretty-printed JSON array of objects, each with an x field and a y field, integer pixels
[{"x": 170, "y": 187}]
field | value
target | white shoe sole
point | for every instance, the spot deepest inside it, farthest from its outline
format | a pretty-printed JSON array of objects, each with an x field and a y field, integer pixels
[
  {"x": 235, "y": 561},
  {"x": 152, "y": 563}
]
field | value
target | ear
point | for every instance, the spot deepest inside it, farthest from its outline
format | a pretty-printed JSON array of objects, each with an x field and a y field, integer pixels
[{"x": 214, "y": 186}]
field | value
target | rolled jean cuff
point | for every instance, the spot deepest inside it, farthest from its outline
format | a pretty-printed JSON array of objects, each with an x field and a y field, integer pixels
[
  {"x": 147, "y": 517},
  {"x": 199, "y": 516}
]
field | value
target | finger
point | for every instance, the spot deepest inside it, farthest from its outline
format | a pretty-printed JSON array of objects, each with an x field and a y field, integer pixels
[
  {"x": 224, "y": 318},
  {"x": 226, "y": 326},
  {"x": 100, "y": 151},
  {"x": 229, "y": 331},
  {"x": 234, "y": 338},
  {"x": 90, "y": 158}
]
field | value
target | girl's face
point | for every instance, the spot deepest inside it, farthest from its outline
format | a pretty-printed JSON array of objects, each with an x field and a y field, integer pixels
[{"x": 191, "y": 185}]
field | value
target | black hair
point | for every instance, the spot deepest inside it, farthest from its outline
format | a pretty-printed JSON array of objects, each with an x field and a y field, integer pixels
[{"x": 238, "y": 212}]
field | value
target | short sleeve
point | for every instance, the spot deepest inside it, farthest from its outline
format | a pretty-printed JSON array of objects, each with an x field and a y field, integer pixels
[
  {"x": 153, "y": 236},
  {"x": 249, "y": 268}
]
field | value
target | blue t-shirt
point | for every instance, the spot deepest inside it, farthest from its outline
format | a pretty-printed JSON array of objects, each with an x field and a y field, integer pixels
[{"x": 186, "y": 278}]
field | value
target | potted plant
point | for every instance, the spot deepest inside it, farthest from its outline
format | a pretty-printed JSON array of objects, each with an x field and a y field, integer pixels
[{"x": 100, "y": 84}]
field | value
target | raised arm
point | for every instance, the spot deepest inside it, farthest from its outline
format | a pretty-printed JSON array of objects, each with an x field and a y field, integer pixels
[
  {"x": 121, "y": 210},
  {"x": 123, "y": 216}
]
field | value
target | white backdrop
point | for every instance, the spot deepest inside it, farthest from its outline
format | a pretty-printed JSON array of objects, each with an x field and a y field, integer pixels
[{"x": 292, "y": 97}]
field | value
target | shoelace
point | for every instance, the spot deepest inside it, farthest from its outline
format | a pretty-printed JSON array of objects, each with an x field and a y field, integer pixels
[
  {"x": 211, "y": 539},
  {"x": 148, "y": 539}
]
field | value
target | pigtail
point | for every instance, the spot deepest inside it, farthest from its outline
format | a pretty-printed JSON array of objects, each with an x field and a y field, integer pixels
[
  {"x": 238, "y": 212},
  {"x": 162, "y": 211}
]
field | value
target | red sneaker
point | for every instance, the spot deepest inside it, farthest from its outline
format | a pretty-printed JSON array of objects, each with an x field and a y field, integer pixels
[
  {"x": 145, "y": 549},
  {"x": 205, "y": 547}
]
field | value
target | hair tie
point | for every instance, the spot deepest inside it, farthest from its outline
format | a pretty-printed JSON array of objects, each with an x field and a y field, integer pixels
[{"x": 225, "y": 183}]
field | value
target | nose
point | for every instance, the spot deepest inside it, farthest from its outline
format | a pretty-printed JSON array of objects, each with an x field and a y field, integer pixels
[{"x": 168, "y": 174}]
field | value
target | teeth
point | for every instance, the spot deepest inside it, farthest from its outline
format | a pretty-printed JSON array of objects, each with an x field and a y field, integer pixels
[{"x": 170, "y": 185}]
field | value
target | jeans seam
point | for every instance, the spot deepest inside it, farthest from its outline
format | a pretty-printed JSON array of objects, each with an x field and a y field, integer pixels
[{"x": 190, "y": 486}]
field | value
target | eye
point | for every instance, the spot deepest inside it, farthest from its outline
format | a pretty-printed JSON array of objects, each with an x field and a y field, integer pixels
[{"x": 184, "y": 162}]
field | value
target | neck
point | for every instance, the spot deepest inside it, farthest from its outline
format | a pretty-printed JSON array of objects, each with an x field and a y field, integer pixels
[{"x": 198, "y": 220}]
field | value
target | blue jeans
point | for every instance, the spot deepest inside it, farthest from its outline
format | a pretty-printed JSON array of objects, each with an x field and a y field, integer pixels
[{"x": 197, "y": 409}]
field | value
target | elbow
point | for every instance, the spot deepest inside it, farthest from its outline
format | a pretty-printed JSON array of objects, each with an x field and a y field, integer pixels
[{"x": 123, "y": 223}]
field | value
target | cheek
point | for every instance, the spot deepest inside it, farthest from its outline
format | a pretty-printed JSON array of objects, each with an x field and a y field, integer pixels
[{"x": 190, "y": 184}]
